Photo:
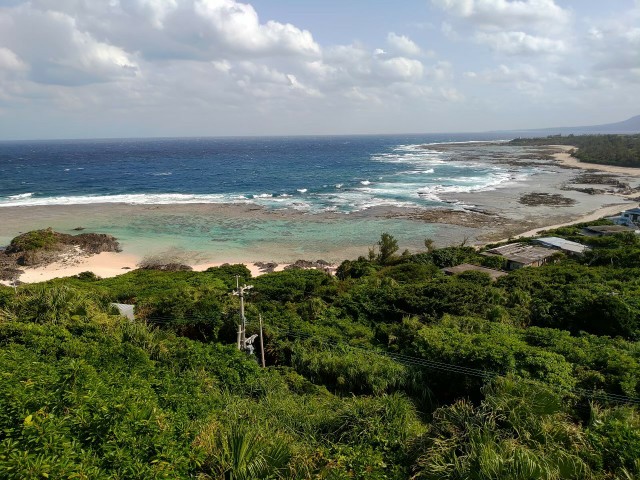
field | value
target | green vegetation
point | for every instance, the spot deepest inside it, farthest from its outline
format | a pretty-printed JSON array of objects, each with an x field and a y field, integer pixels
[
  {"x": 620, "y": 150},
  {"x": 390, "y": 370},
  {"x": 36, "y": 240}
]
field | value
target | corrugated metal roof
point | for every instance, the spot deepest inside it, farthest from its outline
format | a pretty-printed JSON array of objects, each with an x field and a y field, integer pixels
[{"x": 562, "y": 244}]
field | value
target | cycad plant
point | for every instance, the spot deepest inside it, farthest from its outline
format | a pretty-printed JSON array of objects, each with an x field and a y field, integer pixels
[
  {"x": 243, "y": 453},
  {"x": 520, "y": 431}
]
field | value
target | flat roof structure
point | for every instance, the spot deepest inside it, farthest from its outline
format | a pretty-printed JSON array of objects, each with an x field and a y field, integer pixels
[
  {"x": 468, "y": 267},
  {"x": 562, "y": 244},
  {"x": 607, "y": 229},
  {"x": 522, "y": 253}
]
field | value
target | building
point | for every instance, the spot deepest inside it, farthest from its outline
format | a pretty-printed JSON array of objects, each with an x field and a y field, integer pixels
[
  {"x": 606, "y": 230},
  {"x": 566, "y": 246},
  {"x": 467, "y": 267},
  {"x": 630, "y": 218},
  {"x": 520, "y": 255},
  {"x": 125, "y": 310}
]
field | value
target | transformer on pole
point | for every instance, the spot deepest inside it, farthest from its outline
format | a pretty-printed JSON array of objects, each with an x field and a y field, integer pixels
[
  {"x": 242, "y": 334},
  {"x": 243, "y": 343}
]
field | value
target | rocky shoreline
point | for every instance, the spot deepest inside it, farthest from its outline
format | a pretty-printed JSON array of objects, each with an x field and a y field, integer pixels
[{"x": 42, "y": 247}]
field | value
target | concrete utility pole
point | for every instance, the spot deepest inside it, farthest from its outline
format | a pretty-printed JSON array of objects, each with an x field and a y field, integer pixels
[
  {"x": 242, "y": 336},
  {"x": 261, "y": 343}
]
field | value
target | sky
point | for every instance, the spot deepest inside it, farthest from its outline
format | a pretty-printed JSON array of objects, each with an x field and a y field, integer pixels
[{"x": 158, "y": 68}]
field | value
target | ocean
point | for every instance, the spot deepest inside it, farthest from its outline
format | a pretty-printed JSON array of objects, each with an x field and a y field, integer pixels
[
  {"x": 311, "y": 174},
  {"x": 283, "y": 197}
]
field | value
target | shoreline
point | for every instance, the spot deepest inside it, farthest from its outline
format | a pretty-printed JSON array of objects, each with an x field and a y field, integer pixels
[
  {"x": 566, "y": 160},
  {"x": 109, "y": 264},
  {"x": 216, "y": 234}
]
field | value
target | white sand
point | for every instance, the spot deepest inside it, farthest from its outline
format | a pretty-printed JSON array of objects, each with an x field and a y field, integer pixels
[
  {"x": 106, "y": 265},
  {"x": 565, "y": 158}
]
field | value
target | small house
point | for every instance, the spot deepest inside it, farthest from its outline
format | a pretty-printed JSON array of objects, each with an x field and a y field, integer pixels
[{"x": 520, "y": 255}]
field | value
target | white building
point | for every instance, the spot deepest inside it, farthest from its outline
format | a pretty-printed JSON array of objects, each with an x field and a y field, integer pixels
[{"x": 630, "y": 218}]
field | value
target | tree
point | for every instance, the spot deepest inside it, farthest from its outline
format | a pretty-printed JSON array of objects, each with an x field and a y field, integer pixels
[
  {"x": 387, "y": 247},
  {"x": 429, "y": 244}
]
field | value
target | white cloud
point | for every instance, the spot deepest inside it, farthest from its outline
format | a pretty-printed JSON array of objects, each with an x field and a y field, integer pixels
[
  {"x": 9, "y": 61},
  {"x": 400, "y": 69},
  {"x": 219, "y": 66},
  {"x": 320, "y": 70},
  {"x": 578, "y": 81},
  {"x": 158, "y": 10},
  {"x": 448, "y": 31},
  {"x": 506, "y": 13},
  {"x": 58, "y": 52},
  {"x": 511, "y": 74},
  {"x": 185, "y": 29},
  {"x": 521, "y": 43},
  {"x": 612, "y": 46},
  {"x": 451, "y": 94},
  {"x": 222, "y": 65},
  {"x": 237, "y": 25},
  {"x": 297, "y": 85},
  {"x": 524, "y": 78},
  {"x": 442, "y": 71},
  {"x": 403, "y": 45}
]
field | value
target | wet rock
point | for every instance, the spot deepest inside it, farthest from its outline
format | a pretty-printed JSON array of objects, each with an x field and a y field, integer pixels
[
  {"x": 10, "y": 274},
  {"x": 536, "y": 199},
  {"x": 266, "y": 267},
  {"x": 166, "y": 267}
]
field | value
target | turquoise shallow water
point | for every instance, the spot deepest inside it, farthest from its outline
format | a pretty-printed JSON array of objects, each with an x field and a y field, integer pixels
[
  {"x": 263, "y": 238},
  {"x": 206, "y": 233}
]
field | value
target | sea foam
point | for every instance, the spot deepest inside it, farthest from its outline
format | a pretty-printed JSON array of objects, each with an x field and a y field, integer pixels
[
  {"x": 134, "y": 199},
  {"x": 20, "y": 196}
]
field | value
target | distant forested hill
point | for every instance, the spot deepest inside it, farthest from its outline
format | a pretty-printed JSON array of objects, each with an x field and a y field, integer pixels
[{"x": 620, "y": 150}]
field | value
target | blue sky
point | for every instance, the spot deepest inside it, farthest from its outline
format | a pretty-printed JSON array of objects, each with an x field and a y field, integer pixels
[{"x": 123, "y": 68}]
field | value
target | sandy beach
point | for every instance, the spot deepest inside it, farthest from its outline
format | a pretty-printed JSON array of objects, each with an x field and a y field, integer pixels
[
  {"x": 108, "y": 264},
  {"x": 209, "y": 235},
  {"x": 565, "y": 159}
]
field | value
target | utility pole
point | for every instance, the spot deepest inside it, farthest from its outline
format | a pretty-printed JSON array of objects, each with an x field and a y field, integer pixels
[
  {"x": 242, "y": 334},
  {"x": 261, "y": 342}
]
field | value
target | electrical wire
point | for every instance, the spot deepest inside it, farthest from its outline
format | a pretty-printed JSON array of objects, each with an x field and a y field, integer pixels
[{"x": 423, "y": 362}]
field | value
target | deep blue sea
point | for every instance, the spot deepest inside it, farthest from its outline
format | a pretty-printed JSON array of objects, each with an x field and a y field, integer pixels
[{"x": 313, "y": 174}]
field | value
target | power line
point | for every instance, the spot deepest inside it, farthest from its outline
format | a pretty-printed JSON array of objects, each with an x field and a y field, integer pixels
[
  {"x": 418, "y": 361},
  {"x": 427, "y": 363}
]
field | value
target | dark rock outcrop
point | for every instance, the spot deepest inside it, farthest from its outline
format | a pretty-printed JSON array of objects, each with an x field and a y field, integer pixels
[
  {"x": 41, "y": 247},
  {"x": 166, "y": 267}
]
